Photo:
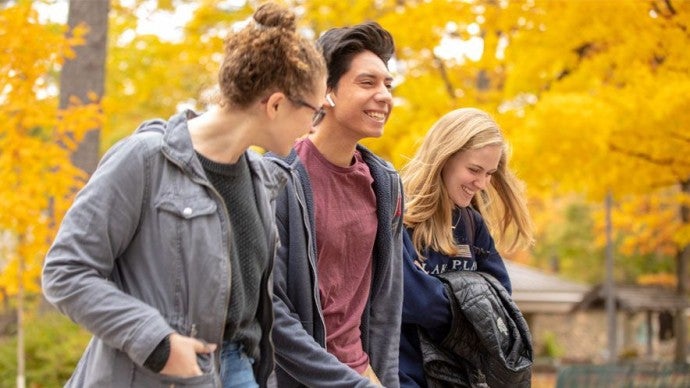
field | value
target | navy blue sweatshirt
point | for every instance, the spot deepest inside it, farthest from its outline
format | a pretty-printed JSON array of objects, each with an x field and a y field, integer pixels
[{"x": 425, "y": 303}]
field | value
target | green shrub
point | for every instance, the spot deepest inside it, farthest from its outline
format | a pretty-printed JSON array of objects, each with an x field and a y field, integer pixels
[
  {"x": 550, "y": 346},
  {"x": 53, "y": 347}
]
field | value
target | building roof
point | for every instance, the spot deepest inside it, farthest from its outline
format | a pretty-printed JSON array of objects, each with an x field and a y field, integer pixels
[
  {"x": 535, "y": 291},
  {"x": 634, "y": 298}
]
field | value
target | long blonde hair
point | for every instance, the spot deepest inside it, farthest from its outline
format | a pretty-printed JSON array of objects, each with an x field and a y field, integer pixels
[{"x": 428, "y": 206}]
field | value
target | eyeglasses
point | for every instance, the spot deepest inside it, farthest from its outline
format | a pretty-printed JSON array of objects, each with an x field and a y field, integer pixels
[{"x": 319, "y": 113}]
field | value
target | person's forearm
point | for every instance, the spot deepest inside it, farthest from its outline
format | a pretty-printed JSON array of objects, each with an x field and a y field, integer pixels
[{"x": 298, "y": 354}]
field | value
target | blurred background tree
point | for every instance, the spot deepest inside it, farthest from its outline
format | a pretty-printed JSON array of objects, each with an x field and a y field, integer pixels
[
  {"x": 36, "y": 142},
  {"x": 590, "y": 95}
]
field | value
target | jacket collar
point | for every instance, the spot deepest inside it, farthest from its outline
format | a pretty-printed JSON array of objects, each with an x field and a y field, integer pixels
[
  {"x": 177, "y": 145},
  {"x": 273, "y": 180}
]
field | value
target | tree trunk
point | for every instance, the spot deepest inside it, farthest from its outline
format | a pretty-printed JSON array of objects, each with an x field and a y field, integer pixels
[
  {"x": 682, "y": 270},
  {"x": 79, "y": 77},
  {"x": 85, "y": 73}
]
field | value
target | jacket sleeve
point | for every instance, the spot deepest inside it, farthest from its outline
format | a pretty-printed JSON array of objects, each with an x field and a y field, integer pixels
[
  {"x": 296, "y": 351},
  {"x": 425, "y": 301},
  {"x": 95, "y": 231},
  {"x": 490, "y": 262}
]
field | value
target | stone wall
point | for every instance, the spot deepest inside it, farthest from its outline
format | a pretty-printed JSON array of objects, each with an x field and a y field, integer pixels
[{"x": 582, "y": 337}]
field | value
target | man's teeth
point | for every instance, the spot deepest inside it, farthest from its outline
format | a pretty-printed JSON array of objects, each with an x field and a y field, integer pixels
[{"x": 376, "y": 115}]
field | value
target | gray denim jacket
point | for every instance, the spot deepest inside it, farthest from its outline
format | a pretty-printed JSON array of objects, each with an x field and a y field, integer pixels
[{"x": 144, "y": 252}]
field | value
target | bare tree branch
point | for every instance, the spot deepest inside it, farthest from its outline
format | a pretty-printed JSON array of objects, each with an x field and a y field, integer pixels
[{"x": 444, "y": 76}]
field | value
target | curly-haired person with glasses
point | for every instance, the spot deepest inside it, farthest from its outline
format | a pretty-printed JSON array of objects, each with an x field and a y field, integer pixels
[{"x": 166, "y": 254}]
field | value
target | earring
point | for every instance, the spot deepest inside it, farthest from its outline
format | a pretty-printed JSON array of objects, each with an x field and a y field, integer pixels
[{"x": 329, "y": 99}]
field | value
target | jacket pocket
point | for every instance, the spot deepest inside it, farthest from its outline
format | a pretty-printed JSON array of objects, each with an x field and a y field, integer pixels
[
  {"x": 189, "y": 243},
  {"x": 186, "y": 207},
  {"x": 146, "y": 378}
]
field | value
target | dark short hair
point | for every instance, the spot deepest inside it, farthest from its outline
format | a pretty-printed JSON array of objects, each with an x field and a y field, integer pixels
[{"x": 340, "y": 45}]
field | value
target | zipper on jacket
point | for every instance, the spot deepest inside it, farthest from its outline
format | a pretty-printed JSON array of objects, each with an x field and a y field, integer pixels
[
  {"x": 312, "y": 264},
  {"x": 226, "y": 305}
]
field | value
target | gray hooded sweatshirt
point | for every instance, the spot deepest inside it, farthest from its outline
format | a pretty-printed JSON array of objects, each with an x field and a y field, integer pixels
[{"x": 300, "y": 332}]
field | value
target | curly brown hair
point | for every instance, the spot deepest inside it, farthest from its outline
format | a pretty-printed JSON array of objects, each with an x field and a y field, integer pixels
[{"x": 268, "y": 55}]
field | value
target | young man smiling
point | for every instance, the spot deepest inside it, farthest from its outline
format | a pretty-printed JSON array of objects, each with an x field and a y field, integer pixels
[{"x": 338, "y": 273}]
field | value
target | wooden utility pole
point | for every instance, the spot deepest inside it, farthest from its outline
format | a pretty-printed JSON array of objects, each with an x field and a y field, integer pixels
[
  {"x": 609, "y": 287},
  {"x": 683, "y": 257}
]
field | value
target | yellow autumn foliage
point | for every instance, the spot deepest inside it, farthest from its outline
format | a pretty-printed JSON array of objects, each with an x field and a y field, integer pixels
[
  {"x": 610, "y": 78},
  {"x": 592, "y": 96},
  {"x": 35, "y": 142}
]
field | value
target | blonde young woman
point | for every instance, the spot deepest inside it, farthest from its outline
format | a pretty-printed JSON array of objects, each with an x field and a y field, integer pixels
[{"x": 461, "y": 165}]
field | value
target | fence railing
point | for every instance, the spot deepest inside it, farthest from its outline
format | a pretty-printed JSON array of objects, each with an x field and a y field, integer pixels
[{"x": 631, "y": 375}]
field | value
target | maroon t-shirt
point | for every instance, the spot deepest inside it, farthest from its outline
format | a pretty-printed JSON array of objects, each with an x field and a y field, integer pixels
[{"x": 346, "y": 223}]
